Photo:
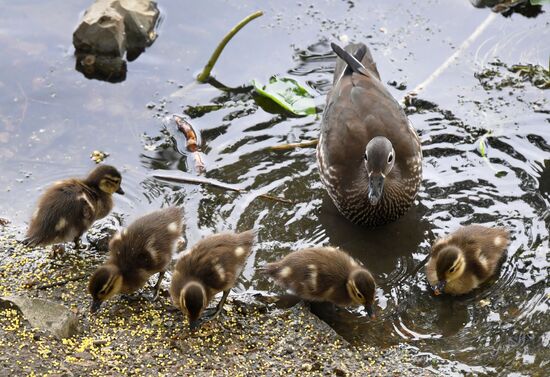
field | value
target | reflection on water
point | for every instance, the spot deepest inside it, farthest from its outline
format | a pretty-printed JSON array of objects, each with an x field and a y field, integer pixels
[
  {"x": 106, "y": 68},
  {"x": 51, "y": 119}
]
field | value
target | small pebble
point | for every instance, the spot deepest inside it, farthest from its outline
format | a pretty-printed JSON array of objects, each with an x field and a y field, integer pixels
[
  {"x": 99, "y": 342},
  {"x": 483, "y": 303}
]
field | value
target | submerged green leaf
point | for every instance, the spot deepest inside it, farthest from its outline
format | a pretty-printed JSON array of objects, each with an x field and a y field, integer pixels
[
  {"x": 538, "y": 75},
  {"x": 287, "y": 94},
  {"x": 495, "y": 77},
  {"x": 482, "y": 147}
]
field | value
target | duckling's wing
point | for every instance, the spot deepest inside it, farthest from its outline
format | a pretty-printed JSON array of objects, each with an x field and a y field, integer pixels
[
  {"x": 219, "y": 259},
  {"x": 148, "y": 243},
  {"x": 60, "y": 215},
  {"x": 314, "y": 274},
  {"x": 484, "y": 247},
  {"x": 474, "y": 237},
  {"x": 331, "y": 268}
]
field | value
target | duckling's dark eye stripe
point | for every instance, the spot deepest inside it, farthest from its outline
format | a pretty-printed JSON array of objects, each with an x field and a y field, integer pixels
[
  {"x": 455, "y": 266},
  {"x": 112, "y": 179},
  {"x": 107, "y": 286},
  {"x": 182, "y": 300}
]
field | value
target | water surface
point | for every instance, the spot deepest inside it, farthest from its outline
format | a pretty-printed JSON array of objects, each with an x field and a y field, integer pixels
[{"x": 52, "y": 118}]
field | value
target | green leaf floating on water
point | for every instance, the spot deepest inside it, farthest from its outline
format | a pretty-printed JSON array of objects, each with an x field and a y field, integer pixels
[
  {"x": 288, "y": 94},
  {"x": 539, "y": 2}
]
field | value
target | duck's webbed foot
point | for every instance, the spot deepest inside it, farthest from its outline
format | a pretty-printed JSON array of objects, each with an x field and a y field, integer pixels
[
  {"x": 156, "y": 289},
  {"x": 210, "y": 314},
  {"x": 58, "y": 250}
]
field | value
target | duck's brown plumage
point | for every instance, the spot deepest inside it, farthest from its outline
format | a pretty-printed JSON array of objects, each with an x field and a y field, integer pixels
[
  {"x": 483, "y": 249},
  {"x": 319, "y": 274},
  {"x": 68, "y": 208},
  {"x": 359, "y": 108},
  {"x": 214, "y": 263},
  {"x": 139, "y": 251}
]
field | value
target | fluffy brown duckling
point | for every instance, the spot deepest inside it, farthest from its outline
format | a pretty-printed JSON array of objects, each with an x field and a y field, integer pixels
[
  {"x": 135, "y": 254},
  {"x": 68, "y": 208},
  {"x": 465, "y": 259},
  {"x": 213, "y": 265},
  {"x": 325, "y": 274}
]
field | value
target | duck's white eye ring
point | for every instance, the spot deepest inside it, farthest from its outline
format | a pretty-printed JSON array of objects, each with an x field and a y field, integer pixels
[{"x": 390, "y": 157}]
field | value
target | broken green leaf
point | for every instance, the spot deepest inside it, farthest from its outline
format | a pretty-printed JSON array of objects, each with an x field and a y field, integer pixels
[
  {"x": 482, "y": 147},
  {"x": 98, "y": 156},
  {"x": 287, "y": 94},
  {"x": 538, "y": 75},
  {"x": 200, "y": 110},
  {"x": 496, "y": 78}
]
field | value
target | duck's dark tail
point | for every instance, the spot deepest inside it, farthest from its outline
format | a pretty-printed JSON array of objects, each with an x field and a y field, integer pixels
[
  {"x": 352, "y": 62},
  {"x": 356, "y": 58}
]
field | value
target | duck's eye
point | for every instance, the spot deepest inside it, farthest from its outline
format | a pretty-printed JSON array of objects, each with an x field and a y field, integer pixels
[
  {"x": 452, "y": 269},
  {"x": 359, "y": 295},
  {"x": 390, "y": 158},
  {"x": 365, "y": 157}
]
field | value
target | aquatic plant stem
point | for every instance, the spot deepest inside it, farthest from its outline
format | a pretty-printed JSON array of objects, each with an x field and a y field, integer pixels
[
  {"x": 302, "y": 144},
  {"x": 221, "y": 185},
  {"x": 467, "y": 42},
  {"x": 25, "y": 104},
  {"x": 62, "y": 282},
  {"x": 205, "y": 74}
]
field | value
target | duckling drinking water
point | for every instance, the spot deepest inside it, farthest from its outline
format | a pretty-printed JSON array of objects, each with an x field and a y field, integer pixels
[
  {"x": 135, "y": 254},
  {"x": 325, "y": 274},
  {"x": 68, "y": 208},
  {"x": 465, "y": 259},
  {"x": 213, "y": 265}
]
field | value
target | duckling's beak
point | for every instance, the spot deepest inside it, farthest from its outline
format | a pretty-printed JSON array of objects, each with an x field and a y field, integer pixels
[
  {"x": 370, "y": 311},
  {"x": 376, "y": 186},
  {"x": 120, "y": 191},
  {"x": 193, "y": 325},
  {"x": 438, "y": 289},
  {"x": 96, "y": 304}
]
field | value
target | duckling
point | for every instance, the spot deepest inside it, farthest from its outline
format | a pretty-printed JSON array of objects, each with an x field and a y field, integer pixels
[
  {"x": 465, "y": 259},
  {"x": 68, "y": 208},
  {"x": 213, "y": 265},
  {"x": 135, "y": 254},
  {"x": 325, "y": 274}
]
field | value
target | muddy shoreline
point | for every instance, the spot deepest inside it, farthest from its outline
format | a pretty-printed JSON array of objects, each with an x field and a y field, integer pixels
[{"x": 133, "y": 336}]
